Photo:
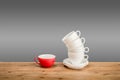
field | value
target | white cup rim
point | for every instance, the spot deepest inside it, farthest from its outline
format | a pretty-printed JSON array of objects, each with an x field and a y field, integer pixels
[
  {"x": 67, "y": 35},
  {"x": 46, "y": 56}
]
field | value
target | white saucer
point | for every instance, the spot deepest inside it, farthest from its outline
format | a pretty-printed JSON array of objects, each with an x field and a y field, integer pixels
[{"x": 68, "y": 63}]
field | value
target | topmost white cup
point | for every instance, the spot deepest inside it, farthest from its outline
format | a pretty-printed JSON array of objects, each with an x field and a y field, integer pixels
[{"x": 71, "y": 36}]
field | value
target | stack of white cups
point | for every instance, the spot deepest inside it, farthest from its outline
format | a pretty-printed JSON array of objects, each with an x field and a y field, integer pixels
[{"x": 77, "y": 58}]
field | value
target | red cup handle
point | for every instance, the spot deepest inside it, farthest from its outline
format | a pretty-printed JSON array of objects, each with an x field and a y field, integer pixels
[{"x": 36, "y": 60}]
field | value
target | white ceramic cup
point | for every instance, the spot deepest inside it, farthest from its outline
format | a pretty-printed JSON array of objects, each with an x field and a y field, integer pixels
[
  {"x": 71, "y": 36},
  {"x": 79, "y": 42},
  {"x": 76, "y": 58},
  {"x": 81, "y": 49}
]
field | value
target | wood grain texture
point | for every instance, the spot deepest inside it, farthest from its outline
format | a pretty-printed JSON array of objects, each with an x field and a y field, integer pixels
[{"x": 31, "y": 71}]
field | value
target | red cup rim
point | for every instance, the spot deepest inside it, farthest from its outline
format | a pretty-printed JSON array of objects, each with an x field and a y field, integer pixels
[{"x": 46, "y": 56}]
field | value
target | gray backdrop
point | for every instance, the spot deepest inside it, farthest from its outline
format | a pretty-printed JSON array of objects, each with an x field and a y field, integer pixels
[{"x": 29, "y": 28}]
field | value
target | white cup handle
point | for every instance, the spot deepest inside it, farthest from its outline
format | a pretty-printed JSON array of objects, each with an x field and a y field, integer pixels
[
  {"x": 86, "y": 56},
  {"x": 83, "y": 40},
  {"x": 86, "y": 49},
  {"x": 78, "y": 32}
]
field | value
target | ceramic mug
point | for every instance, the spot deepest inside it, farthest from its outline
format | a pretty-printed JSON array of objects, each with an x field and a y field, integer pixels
[
  {"x": 77, "y": 58},
  {"x": 71, "y": 36},
  {"x": 45, "y": 60}
]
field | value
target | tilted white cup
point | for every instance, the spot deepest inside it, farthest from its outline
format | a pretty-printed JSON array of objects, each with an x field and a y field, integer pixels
[
  {"x": 79, "y": 42},
  {"x": 71, "y": 36}
]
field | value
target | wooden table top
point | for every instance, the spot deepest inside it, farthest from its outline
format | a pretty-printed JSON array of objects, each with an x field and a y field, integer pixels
[{"x": 31, "y": 71}]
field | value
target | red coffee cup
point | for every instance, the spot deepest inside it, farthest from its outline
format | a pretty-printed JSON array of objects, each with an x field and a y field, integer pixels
[{"x": 45, "y": 60}]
